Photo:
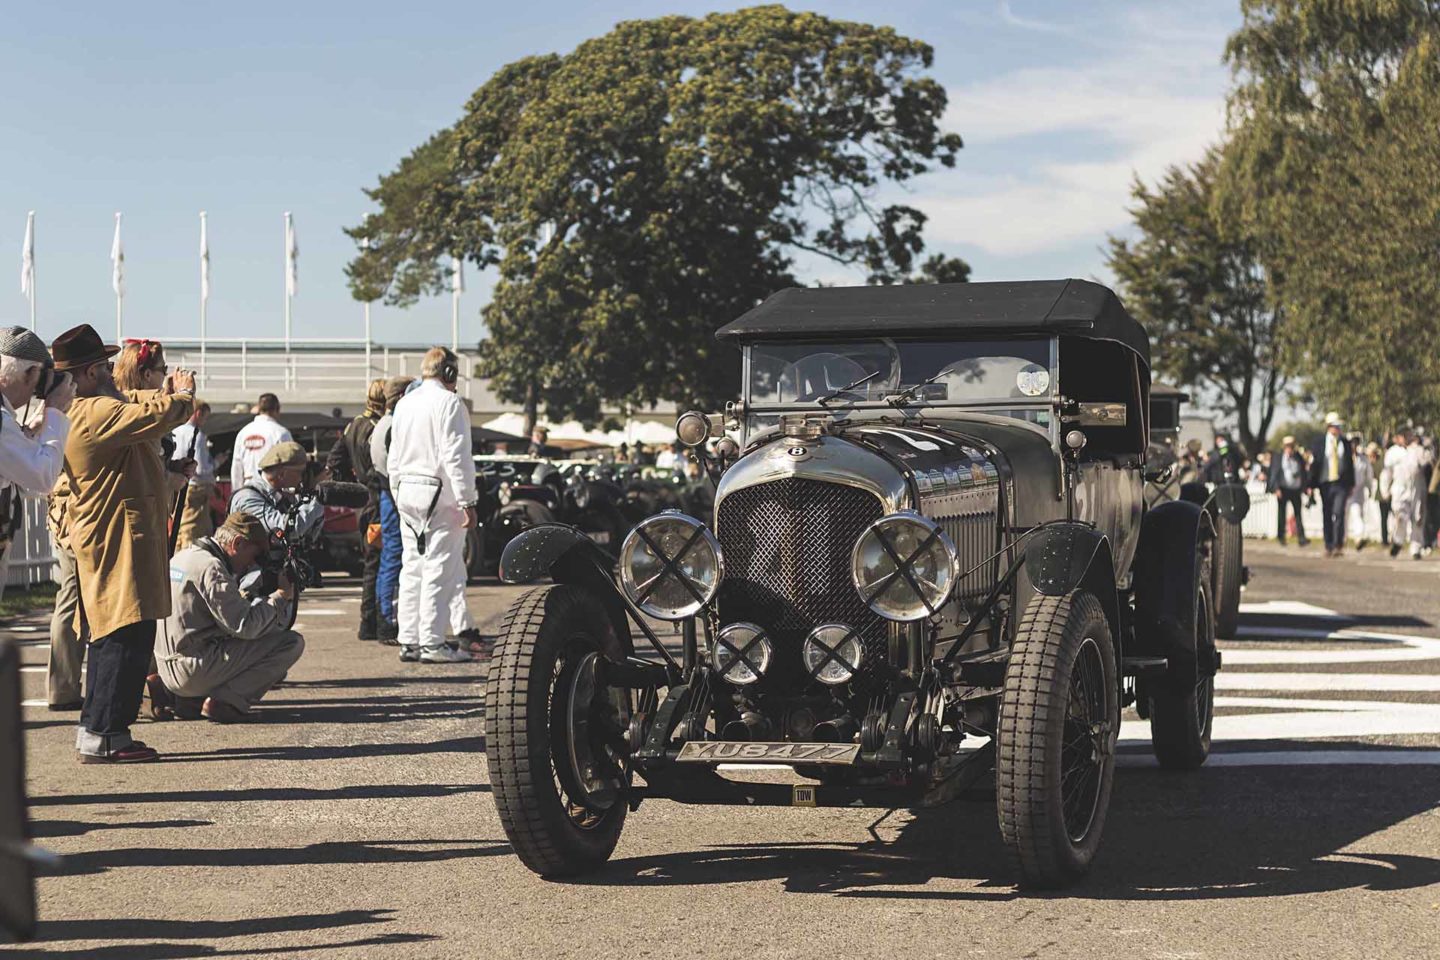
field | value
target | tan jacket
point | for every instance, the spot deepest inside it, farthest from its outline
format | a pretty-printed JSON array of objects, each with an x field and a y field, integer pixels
[
  {"x": 118, "y": 506},
  {"x": 207, "y": 606}
]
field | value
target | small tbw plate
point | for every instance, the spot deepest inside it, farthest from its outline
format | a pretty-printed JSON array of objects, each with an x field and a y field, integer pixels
[{"x": 741, "y": 751}]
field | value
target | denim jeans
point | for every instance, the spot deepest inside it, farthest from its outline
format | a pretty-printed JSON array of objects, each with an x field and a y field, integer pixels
[
  {"x": 115, "y": 672},
  {"x": 387, "y": 578}
]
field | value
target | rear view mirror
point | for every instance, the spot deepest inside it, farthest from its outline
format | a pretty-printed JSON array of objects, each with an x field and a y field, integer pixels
[{"x": 1097, "y": 414}]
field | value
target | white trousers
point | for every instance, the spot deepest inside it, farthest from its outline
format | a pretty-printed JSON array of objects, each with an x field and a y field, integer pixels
[
  {"x": 1407, "y": 527},
  {"x": 430, "y": 582}
]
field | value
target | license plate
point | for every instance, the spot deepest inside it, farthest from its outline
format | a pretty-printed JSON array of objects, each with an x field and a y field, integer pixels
[
  {"x": 601, "y": 536},
  {"x": 723, "y": 751}
]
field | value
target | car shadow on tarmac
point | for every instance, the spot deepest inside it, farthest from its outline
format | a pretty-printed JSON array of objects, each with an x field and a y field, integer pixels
[
  {"x": 153, "y": 933},
  {"x": 350, "y": 751},
  {"x": 1233, "y": 832},
  {"x": 377, "y": 791},
  {"x": 311, "y": 855}
]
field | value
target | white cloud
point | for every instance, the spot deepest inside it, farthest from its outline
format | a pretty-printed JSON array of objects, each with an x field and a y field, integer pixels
[
  {"x": 1008, "y": 14},
  {"x": 1152, "y": 99}
]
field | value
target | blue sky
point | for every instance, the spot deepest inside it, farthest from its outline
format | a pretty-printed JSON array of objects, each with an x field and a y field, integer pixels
[{"x": 161, "y": 110}]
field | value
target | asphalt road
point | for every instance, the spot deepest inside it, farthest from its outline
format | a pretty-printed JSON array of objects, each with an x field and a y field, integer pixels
[{"x": 355, "y": 821}]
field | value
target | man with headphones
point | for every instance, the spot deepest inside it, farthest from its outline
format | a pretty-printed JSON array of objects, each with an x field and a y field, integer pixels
[{"x": 432, "y": 479}]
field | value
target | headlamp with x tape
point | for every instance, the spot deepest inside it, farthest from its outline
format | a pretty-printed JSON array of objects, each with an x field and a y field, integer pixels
[
  {"x": 833, "y": 652},
  {"x": 742, "y": 653},
  {"x": 671, "y": 565},
  {"x": 904, "y": 566}
]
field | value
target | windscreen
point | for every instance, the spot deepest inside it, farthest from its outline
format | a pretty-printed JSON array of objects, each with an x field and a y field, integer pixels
[{"x": 871, "y": 371}]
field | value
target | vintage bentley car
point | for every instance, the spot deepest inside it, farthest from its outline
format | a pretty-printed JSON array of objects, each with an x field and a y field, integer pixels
[{"x": 929, "y": 558}]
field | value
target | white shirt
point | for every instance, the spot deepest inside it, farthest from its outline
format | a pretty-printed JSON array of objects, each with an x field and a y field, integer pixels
[
  {"x": 1403, "y": 465},
  {"x": 430, "y": 437},
  {"x": 667, "y": 459},
  {"x": 32, "y": 464},
  {"x": 186, "y": 434},
  {"x": 252, "y": 443}
]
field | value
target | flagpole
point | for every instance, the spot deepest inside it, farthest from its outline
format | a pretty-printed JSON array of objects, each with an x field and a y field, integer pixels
[
  {"x": 288, "y": 228},
  {"x": 117, "y": 255},
  {"x": 365, "y": 246},
  {"x": 455, "y": 322},
  {"x": 30, "y": 247},
  {"x": 204, "y": 292}
]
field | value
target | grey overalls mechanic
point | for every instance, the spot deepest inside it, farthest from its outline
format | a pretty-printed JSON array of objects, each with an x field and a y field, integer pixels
[
  {"x": 267, "y": 496},
  {"x": 219, "y": 651}
]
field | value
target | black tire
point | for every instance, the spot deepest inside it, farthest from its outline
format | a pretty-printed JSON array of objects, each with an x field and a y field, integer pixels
[
  {"x": 474, "y": 552},
  {"x": 546, "y": 632},
  {"x": 1182, "y": 713},
  {"x": 1063, "y": 644},
  {"x": 1226, "y": 575}
]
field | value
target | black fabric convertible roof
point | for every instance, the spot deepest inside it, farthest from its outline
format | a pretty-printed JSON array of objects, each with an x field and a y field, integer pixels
[{"x": 1076, "y": 307}]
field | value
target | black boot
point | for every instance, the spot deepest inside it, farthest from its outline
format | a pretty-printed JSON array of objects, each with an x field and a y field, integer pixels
[{"x": 388, "y": 633}]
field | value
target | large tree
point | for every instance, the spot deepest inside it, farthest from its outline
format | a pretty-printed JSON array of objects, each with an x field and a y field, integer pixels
[
  {"x": 1197, "y": 286},
  {"x": 1333, "y": 168},
  {"x": 656, "y": 182}
]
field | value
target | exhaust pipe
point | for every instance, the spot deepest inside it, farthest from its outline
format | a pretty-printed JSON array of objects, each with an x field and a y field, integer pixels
[
  {"x": 840, "y": 730},
  {"x": 750, "y": 726}
]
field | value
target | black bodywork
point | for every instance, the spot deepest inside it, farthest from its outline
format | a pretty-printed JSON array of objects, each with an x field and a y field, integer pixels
[{"x": 1043, "y": 502}]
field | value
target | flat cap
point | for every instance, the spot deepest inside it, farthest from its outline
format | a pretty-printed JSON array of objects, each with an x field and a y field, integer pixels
[
  {"x": 286, "y": 453},
  {"x": 22, "y": 344},
  {"x": 249, "y": 527}
]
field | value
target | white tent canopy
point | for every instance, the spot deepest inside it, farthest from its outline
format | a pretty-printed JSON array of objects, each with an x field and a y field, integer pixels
[{"x": 642, "y": 431}]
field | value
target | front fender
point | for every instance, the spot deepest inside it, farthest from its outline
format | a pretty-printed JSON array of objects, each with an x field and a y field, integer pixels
[
  {"x": 566, "y": 555},
  {"x": 1167, "y": 574},
  {"x": 1066, "y": 556},
  {"x": 1231, "y": 502}
]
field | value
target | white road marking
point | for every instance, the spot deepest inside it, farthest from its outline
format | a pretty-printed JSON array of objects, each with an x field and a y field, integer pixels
[
  {"x": 1292, "y": 608},
  {"x": 25, "y": 629},
  {"x": 1379, "y": 757},
  {"x": 1389, "y": 647},
  {"x": 1428, "y": 683},
  {"x": 34, "y": 703},
  {"x": 32, "y": 669},
  {"x": 1311, "y": 720},
  {"x": 313, "y": 612}
]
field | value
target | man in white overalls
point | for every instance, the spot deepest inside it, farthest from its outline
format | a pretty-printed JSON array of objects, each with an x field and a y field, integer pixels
[{"x": 432, "y": 478}]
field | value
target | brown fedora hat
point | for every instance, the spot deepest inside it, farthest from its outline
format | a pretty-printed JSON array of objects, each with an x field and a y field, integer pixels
[{"x": 79, "y": 347}]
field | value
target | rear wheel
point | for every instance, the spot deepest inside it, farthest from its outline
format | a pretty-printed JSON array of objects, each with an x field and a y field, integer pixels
[
  {"x": 1182, "y": 712},
  {"x": 1226, "y": 575},
  {"x": 1055, "y": 760},
  {"x": 554, "y": 733}
]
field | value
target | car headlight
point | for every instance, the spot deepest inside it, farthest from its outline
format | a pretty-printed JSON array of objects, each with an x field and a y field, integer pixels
[
  {"x": 904, "y": 566},
  {"x": 833, "y": 652},
  {"x": 670, "y": 565},
  {"x": 504, "y": 494},
  {"x": 742, "y": 653}
]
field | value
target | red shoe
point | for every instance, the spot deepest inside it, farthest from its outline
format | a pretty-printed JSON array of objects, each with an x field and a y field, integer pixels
[
  {"x": 136, "y": 752},
  {"x": 221, "y": 712}
]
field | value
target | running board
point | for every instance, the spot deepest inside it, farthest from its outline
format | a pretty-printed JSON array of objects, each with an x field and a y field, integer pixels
[{"x": 1141, "y": 666}]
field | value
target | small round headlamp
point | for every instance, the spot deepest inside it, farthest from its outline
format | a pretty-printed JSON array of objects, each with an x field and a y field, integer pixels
[
  {"x": 742, "y": 653},
  {"x": 904, "y": 566},
  {"x": 833, "y": 653},
  {"x": 670, "y": 565}
]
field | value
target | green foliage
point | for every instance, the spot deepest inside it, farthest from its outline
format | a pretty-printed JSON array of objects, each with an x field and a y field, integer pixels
[
  {"x": 1306, "y": 433},
  {"x": 1333, "y": 167},
  {"x": 654, "y": 183},
  {"x": 1196, "y": 285}
]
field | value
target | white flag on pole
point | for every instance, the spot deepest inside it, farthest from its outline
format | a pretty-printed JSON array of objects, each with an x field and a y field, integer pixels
[
  {"x": 292, "y": 257},
  {"x": 204, "y": 260},
  {"x": 117, "y": 260},
  {"x": 27, "y": 258},
  {"x": 457, "y": 279}
]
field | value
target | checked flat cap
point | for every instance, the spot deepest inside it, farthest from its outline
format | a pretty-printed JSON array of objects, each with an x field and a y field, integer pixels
[
  {"x": 286, "y": 453},
  {"x": 22, "y": 344}
]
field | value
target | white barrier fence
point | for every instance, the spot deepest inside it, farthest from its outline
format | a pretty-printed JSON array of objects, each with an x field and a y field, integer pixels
[
  {"x": 30, "y": 559},
  {"x": 1261, "y": 521}
]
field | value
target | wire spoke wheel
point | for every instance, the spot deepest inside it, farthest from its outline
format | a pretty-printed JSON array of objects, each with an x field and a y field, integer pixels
[
  {"x": 554, "y": 732},
  {"x": 1055, "y": 756}
]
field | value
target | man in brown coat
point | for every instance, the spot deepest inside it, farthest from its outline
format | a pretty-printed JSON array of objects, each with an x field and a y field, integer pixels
[{"x": 117, "y": 513}]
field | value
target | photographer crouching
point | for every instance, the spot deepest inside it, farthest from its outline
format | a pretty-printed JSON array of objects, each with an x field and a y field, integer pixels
[{"x": 219, "y": 651}]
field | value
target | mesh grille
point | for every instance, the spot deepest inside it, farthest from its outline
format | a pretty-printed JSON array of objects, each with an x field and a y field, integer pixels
[{"x": 787, "y": 550}]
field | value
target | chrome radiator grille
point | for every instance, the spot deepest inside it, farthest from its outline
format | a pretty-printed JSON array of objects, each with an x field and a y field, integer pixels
[
  {"x": 969, "y": 519},
  {"x": 787, "y": 550}
]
